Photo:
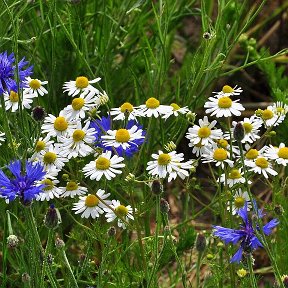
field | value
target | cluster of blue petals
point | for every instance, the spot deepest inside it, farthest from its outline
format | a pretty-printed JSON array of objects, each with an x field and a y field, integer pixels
[
  {"x": 8, "y": 72},
  {"x": 23, "y": 184},
  {"x": 245, "y": 235},
  {"x": 104, "y": 124}
]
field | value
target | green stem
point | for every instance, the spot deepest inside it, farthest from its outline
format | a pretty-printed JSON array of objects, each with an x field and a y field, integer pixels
[
  {"x": 75, "y": 285},
  {"x": 251, "y": 272},
  {"x": 198, "y": 265}
]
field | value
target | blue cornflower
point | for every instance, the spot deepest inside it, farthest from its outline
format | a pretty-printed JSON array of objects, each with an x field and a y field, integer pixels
[
  {"x": 124, "y": 141},
  {"x": 246, "y": 234},
  {"x": 8, "y": 71},
  {"x": 23, "y": 184}
]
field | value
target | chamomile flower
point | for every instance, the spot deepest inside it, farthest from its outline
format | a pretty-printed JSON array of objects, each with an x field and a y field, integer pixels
[
  {"x": 239, "y": 200},
  {"x": 229, "y": 91},
  {"x": 223, "y": 106},
  {"x": 261, "y": 165},
  {"x": 104, "y": 165},
  {"x": 58, "y": 126},
  {"x": 223, "y": 143},
  {"x": 169, "y": 164},
  {"x": 278, "y": 154},
  {"x": 80, "y": 106},
  {"x": 53, "y": 159},
  {"x": 280, "y": 108},
  {"x": 12, "y": 100},
  {"x": 176, "y": 111},
  {"x": 234, "y": 176},
  {"x": 35, "y": 87},
  {"x": 77, "y": 144},
  {"x": 50, "y": 190},
  {"x": 125, "y": 110},
  {"x": 251, "y": 129},
  {"x": 72, "y": 189},
  {"x": 152, "y": 107},
  {"x": 125, "y": 139},
  {"x": 81, "y": 84},
  {"x": 125, "y": 212},
  {"x": 40, "y": 145},
  {"x": 219, "y": 156},
  {"x": 91, "y": 206},
  {"x": 204, "y": 133},
  {"x": 272, "y": 115}
]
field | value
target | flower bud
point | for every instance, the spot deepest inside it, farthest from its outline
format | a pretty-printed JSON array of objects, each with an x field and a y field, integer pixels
[
  {"x": 241, "y": 273},
  {"x": 278, "y": 209},
  {"x": 26, "y": 277},
  {"x": 239, "y": 132},
  {"x": 209, "y": 256},
  {"x": 170, "y": 146},
  {"x": 38, "y": 113},
  {"x": 200, "y": 243},
  {"x": 157, "y": 187},
  {"x": 111, "y": 232},
  {"x": 52, "y": 218},
  {"x": 59, "y": 243},
  {"x": 12, "y": 241},
  {"x": 259, "y": 112},
  {"x": 50, "y": 259},
  {"x": 65, "y": 177},
  {"x": 191, "y": 117},
  {"x": 164, "y": 206},
  {"x": 207, "y": 36}
]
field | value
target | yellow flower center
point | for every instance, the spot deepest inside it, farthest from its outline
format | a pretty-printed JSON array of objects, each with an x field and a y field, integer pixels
[
  {"x": 14, "y": 96},
  {"x": 40, "y": 145},
  {"x": 78, "y": 135},
  {"x": 227, "y": 89},
  {"x": 60, "y": 123},
  {"x": 71, "y": 186},
  {"x": 122, "y": 135},
  {"x": 223, "y": 143},
  {"x": 220, "y": 154},
  {"x": 267, "y": 114},
  {"x": 262, "y": 162},
  {"x": 122, "y": 210},
  {"x": 82, "y": 82},
  {"x": 48, "y": 184},
  {"x": 77, "y": 103},
  {"x": 175, "y": 106},
  {"x": 247, "y": 127},
  {"x": 283, "y": 152},
  {"x": 126, "y": 106},
  {"x": 252, "y": 154},
  {"x": 204, "y": 132},
  {"x": 91, "y": 201},
  {"x": 239, "y": 202},
  {"x": 224, "y": 102},
  {"x": 152, "y": 103},
  {"x": 280, "y": 110},
  {"x": 49, "y": 157},
  {"x": 234, "y": 174},
  {"x": 102, "y": 163},
  {"x": 164, "y": 159},
  {"x": 35, "y": 84}
]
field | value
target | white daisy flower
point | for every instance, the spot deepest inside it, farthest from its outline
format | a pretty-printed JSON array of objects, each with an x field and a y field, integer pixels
[
  {"x": 40, "y": 145},
  {"x": 35, "y": 86},
  {"x": 81, "y": 84},
  {"x": 273, "y": 115},
  {"x": 50, "y": 191},
  {"x": 280, "y": 108},
  {"x": 77, "y": 144},
  {"x": 204, "y": 133},
  {"x": 123, "y": 211},
  {"x": 104, "y": 165},
  {"x": 72, "y": 189},
  {"x": 251, "y": 154},
  {"x": 124, "y": 138},
  {"x": 176, "y": 111},
  {"x": 120, "y": 113},
  {"x": 223, "y": 106},
  {"x": 53, "y": 159},
  {"x": 2, "y": 137},
  {"x": 90, "y": 205},
  {"x": 80, "y": 106},
  {"x": 12, "y": 100},
  {"x": 261, "y": 166},
  {"x": 234, "y": 176},
  {"x": 278, "y": 154},
  {"x": 229, "y": 91},
  {"x": 152, "y": 107},
  {"x": 239, "y": 200},
  {"x": 219, "y": 156},
  {"x": 58, "y": 126},
  {"x": 169, "y": 164},
  {"x": 223, "y": 143},
  {"x": 199, "y": 149}
]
